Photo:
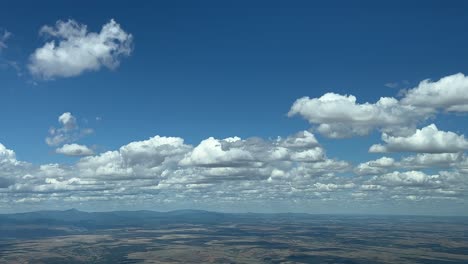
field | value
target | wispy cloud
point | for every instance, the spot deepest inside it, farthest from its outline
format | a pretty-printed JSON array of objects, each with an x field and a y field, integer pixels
[
  {"x": 68, "y": 132},
  {"x": 4, "y": 36}
]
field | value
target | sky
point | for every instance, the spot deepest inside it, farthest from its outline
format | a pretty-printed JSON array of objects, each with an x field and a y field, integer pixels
[{"x": 355, "y": 107}]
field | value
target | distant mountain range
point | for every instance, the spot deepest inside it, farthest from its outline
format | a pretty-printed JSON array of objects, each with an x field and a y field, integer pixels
[
  {"x": 114, "y": 218},
  {"x": 146, "y": 217}
]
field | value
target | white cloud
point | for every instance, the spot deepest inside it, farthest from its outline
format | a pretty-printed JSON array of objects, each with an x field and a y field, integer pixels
[
  {"x": 74, "y": 150},
  {"x": 74, "y": 50},
  {"x": 10, "y": 167},
  {"x": 154, "y": 151},
  {"x": 426, "y": 140},
  {"x": 7, "y": 155},
  {"x": 339, "y": 116},
  {"x": 139, "y": 159},
  {"x": 109, "y": 163},
  {"x": 255, "y": 152},
  {"x": 210, "y": 153},
  {"x": 450, "y": 93}
]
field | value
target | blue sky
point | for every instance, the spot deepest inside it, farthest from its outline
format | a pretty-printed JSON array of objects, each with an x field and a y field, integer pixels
[{"x": 196, "y": 70}]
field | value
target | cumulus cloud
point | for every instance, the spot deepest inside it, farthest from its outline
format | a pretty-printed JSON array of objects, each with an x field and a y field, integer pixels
[
  {"x": 68, "y": 131},
  {"x": 139, "y": 159},
  {"x": 211, "y": 153},
  {"x": 450, "y": 93},
  {"x": 10, "y": 167},
  {"x": 426, "y": 140},
  {"x": 7, "y": 155},
  {"x": 153, "y": 151},
  {"x": 340, "y": 116},
  {"x": 73, "y": 50},
  {"x": 74, "y": 150},
  {"x": 254, "y": 152}
]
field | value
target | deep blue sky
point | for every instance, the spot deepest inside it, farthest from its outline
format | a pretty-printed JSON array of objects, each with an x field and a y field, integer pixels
[{"x": 223, "y": 68}]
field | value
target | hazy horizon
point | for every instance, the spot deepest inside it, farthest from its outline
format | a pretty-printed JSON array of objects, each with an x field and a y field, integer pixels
[{"x": 245, "y": 212}]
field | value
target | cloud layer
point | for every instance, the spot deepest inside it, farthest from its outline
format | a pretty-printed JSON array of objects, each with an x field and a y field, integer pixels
[{"x": 167, "y": 171}]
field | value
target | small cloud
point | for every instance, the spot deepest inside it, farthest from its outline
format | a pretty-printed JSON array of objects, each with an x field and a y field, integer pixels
[
  {"x": 69, "y": 131},
  {"x": 391, "y": 84},
  {"x": 74, "y": 150},
  {"x": 68, "y": 121}
]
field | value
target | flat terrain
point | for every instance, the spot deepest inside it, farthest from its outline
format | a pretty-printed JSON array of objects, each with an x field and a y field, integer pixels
[{"x": 205, "y": 237}]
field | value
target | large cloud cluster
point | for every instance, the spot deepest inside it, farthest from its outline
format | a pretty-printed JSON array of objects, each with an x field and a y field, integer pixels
[
  {"x": 166, "y": 170},
  {"x": 339, "y": 116},
  {"x": 169, "y": 169}
]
